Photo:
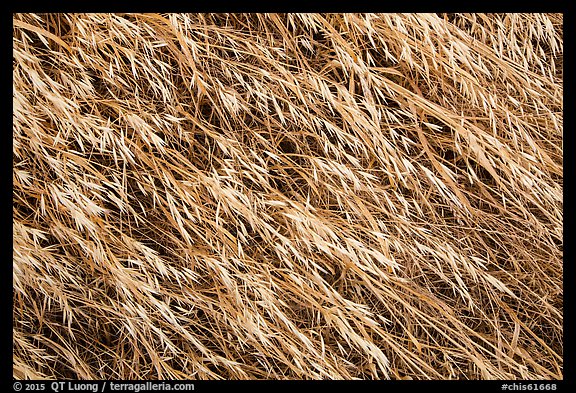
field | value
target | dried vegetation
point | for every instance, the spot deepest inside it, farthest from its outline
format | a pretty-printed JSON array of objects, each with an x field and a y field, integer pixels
[{"x": 287, "y": 196}]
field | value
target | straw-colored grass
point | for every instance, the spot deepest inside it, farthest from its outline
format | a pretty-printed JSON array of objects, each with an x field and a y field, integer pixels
[{"x": 287, "y": 196}]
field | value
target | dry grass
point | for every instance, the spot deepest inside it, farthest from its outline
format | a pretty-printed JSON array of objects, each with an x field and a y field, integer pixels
[{"x": 287, "y": 196}]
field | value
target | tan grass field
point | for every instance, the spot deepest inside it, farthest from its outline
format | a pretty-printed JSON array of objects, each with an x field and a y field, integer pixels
[{"x": 305, "y": 196}]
